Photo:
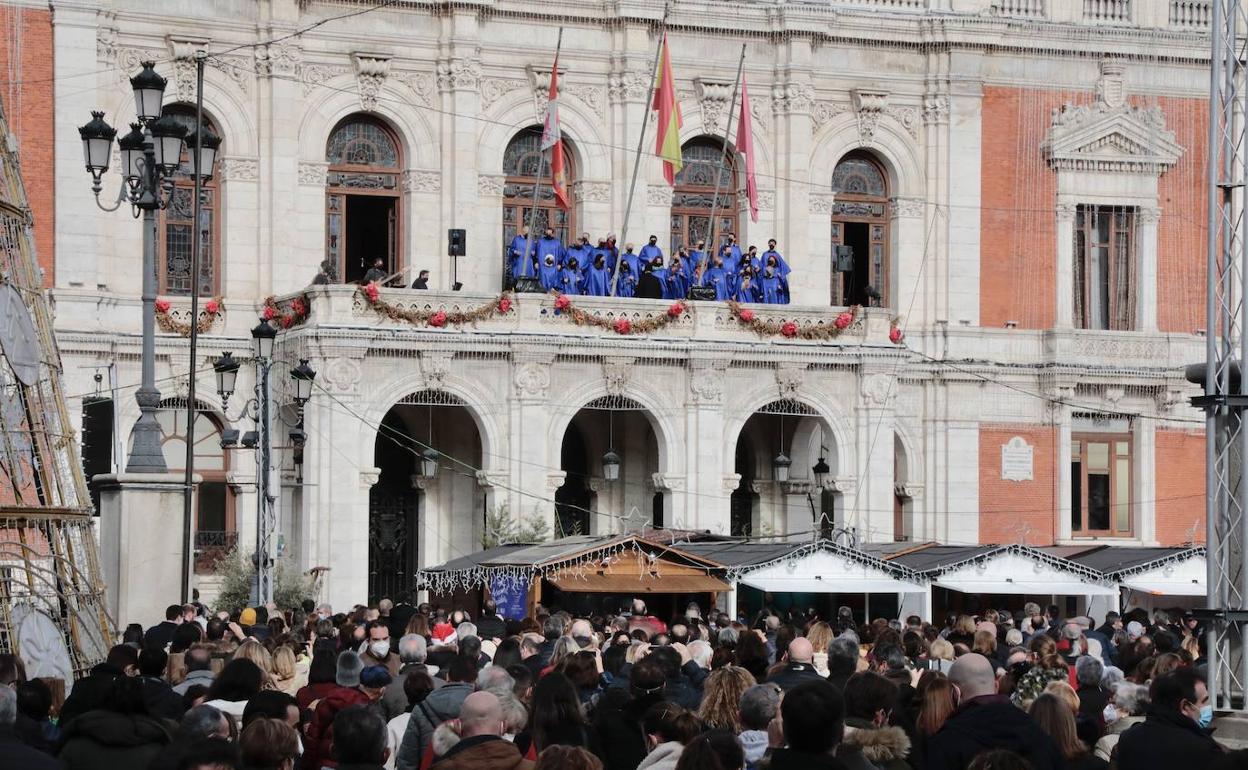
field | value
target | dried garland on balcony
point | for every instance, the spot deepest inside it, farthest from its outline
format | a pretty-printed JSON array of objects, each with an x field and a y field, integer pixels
[
  {"x": 895, "y": 333},
  {"x": 207, "y": 317},
  {"x": 823, "y": 330},
  {"x": 499, "y": 306},
  {"x": 625, "y": 326},
  {"x": 275, "y": 315}
]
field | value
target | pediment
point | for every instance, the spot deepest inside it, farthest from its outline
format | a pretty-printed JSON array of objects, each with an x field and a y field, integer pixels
[{"x": 1120, "y": 139}]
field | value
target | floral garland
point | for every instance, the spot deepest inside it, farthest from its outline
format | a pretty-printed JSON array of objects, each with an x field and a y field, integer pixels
[
  {"x": 273, "y": 313},
  {"x": 819, "y": 331},
  {"x": 624, "y": 326},
  {"x": 895, "y": 333},
  {"x": 207, "y": 317},
  {"x": 500, "y": 305}
]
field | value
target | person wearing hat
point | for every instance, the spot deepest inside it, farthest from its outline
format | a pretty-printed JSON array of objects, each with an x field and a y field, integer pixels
[{"x": 348, "y": 692}]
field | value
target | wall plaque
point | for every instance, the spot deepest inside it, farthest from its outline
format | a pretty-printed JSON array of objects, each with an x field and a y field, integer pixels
[{"x": 1017, "y": 460}]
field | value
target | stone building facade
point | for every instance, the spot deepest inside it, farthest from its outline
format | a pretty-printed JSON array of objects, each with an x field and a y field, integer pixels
[{"x": 1021, "y": 180}]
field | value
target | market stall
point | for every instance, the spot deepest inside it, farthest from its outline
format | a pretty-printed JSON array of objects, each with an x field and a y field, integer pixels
[{"x": 1151, "y": 578}]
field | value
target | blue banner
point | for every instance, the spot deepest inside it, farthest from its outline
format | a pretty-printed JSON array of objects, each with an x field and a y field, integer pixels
[{"x": 511, "y": 594}]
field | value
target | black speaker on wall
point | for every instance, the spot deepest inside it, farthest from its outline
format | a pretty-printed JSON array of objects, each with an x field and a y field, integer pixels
[{"x": 456, "y": 242}]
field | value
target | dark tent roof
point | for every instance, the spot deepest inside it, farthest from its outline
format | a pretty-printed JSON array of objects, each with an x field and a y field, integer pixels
[
  {"x": 1112, "y": 560},
  {"x": 935, "y": 557},
  {"x": 480, "y": 557},
  {"x": 739, "y": 554}
]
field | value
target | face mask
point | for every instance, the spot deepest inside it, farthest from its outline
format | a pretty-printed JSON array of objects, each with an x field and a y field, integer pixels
[
  {"x": 1110, "y": 714},
  {"x": 1206, "y": 716},
  {"x": 380, "y": 649}
]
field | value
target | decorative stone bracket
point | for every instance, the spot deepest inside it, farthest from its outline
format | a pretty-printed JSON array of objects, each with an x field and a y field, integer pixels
[{"x": 371, "y": 70}]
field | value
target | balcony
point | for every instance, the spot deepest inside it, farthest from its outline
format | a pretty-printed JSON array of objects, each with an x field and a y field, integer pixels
[{"x": 211, "y": 547}]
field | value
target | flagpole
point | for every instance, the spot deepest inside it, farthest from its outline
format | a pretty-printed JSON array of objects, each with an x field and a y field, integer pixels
[
  {"x": 641, "y": 143},
  {"x": 541, "y": 174},
  {"x": 732, "y": 110}
]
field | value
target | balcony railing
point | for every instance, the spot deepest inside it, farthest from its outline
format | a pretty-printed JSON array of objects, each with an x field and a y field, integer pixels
[
  {"x": 1107, "y": 11},
  {"x": 211, "y": 547},
  {"x": 1190, "y": 14},
  {"x": 1025, "y": 9}
]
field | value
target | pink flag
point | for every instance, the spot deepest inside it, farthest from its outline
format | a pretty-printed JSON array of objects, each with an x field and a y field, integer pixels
[{"x": 745, "y": 146}]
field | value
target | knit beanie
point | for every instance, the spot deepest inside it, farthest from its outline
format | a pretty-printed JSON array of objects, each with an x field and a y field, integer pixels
[{"x": 349, "y": 667}]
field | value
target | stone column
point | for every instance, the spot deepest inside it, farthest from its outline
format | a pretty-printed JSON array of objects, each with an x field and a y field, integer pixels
[
  {"x": 705, "y": 446},
  {"x": 1146, "y": 288},
  {"x": 141, "y": 543},
  {"x": 274, "y": 188},
  {"x": 961, "y": 281},
  {"x": 872, "y": 514},
  {"x": 529, "y": 415},
  {"x": 1143, "y": 507},
  {"x": 911, "y": 251},
  {"x": 816, "y": 283},
  {"x": 1065, "y": 267},
  {"x": 628, "y": 91},
  {"x": 792, "y": 98},
  {"x": 459, "y": 75}
]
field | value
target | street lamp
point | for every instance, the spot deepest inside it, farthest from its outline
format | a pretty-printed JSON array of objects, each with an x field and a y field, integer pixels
[
  {"x": 208, "y": 144},
  {"x": 149, "y": 92},
  {"x": 821, "y": 471},
  {"x": 226, "y": 369},
  {"x": 303, "y": 376},
  {"x": 262, "y": 338},
  {"x": 611, "y": 465},
  {"x": 97, "y": 145},
  {"x": 780, "y": 467}
]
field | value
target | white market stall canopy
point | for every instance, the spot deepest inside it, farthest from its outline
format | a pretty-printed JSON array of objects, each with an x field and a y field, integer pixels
[
  {"x": 1005, "y": 569},
  {"x": 818, "y": 567},
  {"x": 1155, "y": 571}
]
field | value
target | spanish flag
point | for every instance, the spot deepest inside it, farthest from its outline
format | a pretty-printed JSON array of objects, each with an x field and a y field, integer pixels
[
  {"x": 552, "y": 139},
  {"x": 667, "y": 145}
]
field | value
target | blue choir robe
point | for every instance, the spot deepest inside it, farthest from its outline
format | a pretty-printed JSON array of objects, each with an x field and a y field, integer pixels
[
  {"x": 773, "y": 289},
  {"x": 515, "y": 257},
  {"x": 633, "y": 262},
  {"x": 548, "y": 274},
  {"x": 717, "y": 278},
  {"x": 648, "y": 252},
  {"x": 598, "y": 281},
  {"x": 608, "y": 259},
  {"x": 731, "y": 258},
  {"x": 582, "y": 255},
  {"x": 613, "y": 258},
  {"x": 695, "y": 261},
  {"x": 753, "y": 262},
  {"x": 746, "y": 293},
  {"x": 570, "y": 281},
  {"x": 780, "y": 263},
  {"x": 627, "y": 285},
  {"x": 661, "y": 274},
  {"x": 678, "y": 283},
  {"x": 552, "y": 247}
]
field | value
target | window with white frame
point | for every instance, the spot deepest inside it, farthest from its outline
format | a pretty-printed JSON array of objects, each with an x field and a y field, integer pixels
[{"x": 1105, "y": 267}]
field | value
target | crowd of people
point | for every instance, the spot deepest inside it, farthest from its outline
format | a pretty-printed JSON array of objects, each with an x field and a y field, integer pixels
[
  {"x": 414, "y": 687},
  {"x": 583, "y": 268}
]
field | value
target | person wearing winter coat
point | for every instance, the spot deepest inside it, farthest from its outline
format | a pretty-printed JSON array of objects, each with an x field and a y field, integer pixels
[
  {"x": 1125, "y": 710},
  {"x": 869, "y": 701},
  {"x": 813, "y": 715},
  {"x": 800, "y": 666},
  {"x": 120, "y": 734},
  {"x": 481, "y": 746},
  {"x": 1176, "y": 731},
  {"x": 619, "y": 725},
  {"x": 759, "y": 705},
  {"x": 357, "y": 686},
  {"x": 668, "y": 727},
  {"x": 438, "y": 706},
  {"x": 984, "y": 721}
]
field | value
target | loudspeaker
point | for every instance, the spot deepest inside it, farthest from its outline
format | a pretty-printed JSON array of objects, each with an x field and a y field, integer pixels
[
  {"x": 529, "y": 285},
  {"x": 456, "y": 242},
  {"x": 843, "y": 259}
]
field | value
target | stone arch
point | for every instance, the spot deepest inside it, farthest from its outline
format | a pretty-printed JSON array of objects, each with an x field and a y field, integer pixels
[
  {"x": 909, "y": 458},
  {"x": 222, "y": 104},
  {"x": 514, "y": 112},
  {"x": 666, "y": 432},
  {"x": 764, "y": 165},
  {"x": 472, "y": 396},
  {"x": 128, "y": 412},
  {"x": 417, "y": 140},
  {"x": 891, "y": 144},
  {"x": 841, "y": 456}
]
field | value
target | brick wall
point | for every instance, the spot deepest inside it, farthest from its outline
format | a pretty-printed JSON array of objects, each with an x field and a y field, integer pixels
[
  {"x": 1180, "y": 487},
  {"x": 1013, "y": 510},
  {"x": 26, "y": 71},
  {"x": 1018, "y": 221}
]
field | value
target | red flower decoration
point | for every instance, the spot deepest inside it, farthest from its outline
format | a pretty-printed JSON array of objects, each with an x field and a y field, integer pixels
[
  {"x": 746, "y": 315},
  {"x": 844, "y": 319},
  {"x": 438, "y": 319},
  {"x": 162, "y": 306},
  {"x": 287, "y": 321},
  {"x": 676, "y": 309},
  {"x": 298, "y": 307},
  {"x": 269, "y": 313},
  {"x": 563, "y": 302},
  {"x": 211, "y": 307},
  {"x": 504, "y": 304},
  {"x": 789, "y": 329},
  {"x": 372, "y": 291},
  {"x": 895, "y": 335},
  {"x": 623, "y": 326}
]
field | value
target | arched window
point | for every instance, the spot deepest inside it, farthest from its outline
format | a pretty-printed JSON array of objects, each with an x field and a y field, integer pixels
[
  {"x": 363, "y": 219},
  {"x": 215, "y": 530},
  {"x": 694, "y": 194},
  {"x": 524, "y": 165},
  {"x": 860, "y": 221},
  {"x": 177, "y": 222}
]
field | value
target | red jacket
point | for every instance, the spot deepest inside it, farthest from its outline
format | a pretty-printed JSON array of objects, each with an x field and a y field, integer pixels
[{"x": 320, "y": 731}]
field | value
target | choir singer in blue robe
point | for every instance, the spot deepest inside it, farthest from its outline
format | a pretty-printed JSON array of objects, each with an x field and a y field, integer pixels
[
  {"x": 548, "y": 273},
  {"x": 515, "y": 255},
  {"x": 660, "y": 273},
  {"x": 598, "y": 277},
  {"x": 570, "y": 279},
  {"x": 717, "y": 278},
  {"x": 549, "y": 246},
  {"x": 677, "y": 279},
  {"x": 781, "y": 265},
  {"x": 651, "y": 250},
  {"x": 772, "y": 287},
  {"x": 627, "y": 284}
]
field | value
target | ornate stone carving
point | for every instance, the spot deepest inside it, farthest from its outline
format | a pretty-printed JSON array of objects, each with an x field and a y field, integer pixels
[
  {"x": 908, "y": 490},
  {"x": 1167, "y": 398},
  {"x": 1113, "y": 394},
  {"x": 493, "y": 89},
  {"x": 371, "y": 70},
  {"x": 792, "y": 97},
  {"x": 342, "y": 375},
  {"x": 821, "y": 203},
  {"x": 416, "y": 180},
  {"x": 628, "y": 85},
  {"x": 421, "y": 84},
  {"x": 182, "y": 51},
  {"x": 667, "y": 482},
  {"x": 369, "y": 477},
  {"x": 732, "y": 481},
  {"x": 238, "y": 169},
  {"x": 659, "y": 195},
  {"x": 591, "y": 95},
  {"x": 490, "y": 184},
  {"x": 1149, "y": 215},
  {"x": 592, "y": 192},
  {"x": 908, "y": 117},
  {"x": 313, "y": 173},
  {"x": 869, "y": 106},
  {"x": 554, "y": 479},
  {"x": 713, "y": 97},
  {"x": 458, "y": 75},
  {"x": 616, "y": 372},
  {"x": 935, "y": 109},
  {"x": 789, "y": 379},
  {"x": 1066, "y": 212},
  {"x": 239, "y": 69},
  {"x": 313, "y": 75},
  {"x": 878, "y": 391},
  {"x": 532, "y": 379},
  {"x": 906, "y": 207},
  {"x": 823, "y": 112},
  {"x": 435, "y": 366},
  {"x": 706, "y": 380},
  {"x": 1111, "y": 135},
  {"x": 489, "y": 479},
  {"x": 278, "y": 59}
]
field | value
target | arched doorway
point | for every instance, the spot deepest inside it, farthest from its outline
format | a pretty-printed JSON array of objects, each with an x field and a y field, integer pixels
[
  {"x": 216, "y": 530},
  {"x": 693, "y": 195},
  {"x": 590, "y": 503},
  {"x": 363, "y": 215},
  {"x": 176, "y": 222},
  {"x": 860, "y": 221},
  {"x": 903, "y": 505},
  {"x": 778, "y": 455},
  {"x": 426, "y": 507},
  {"x": 524, "y": 167}
]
